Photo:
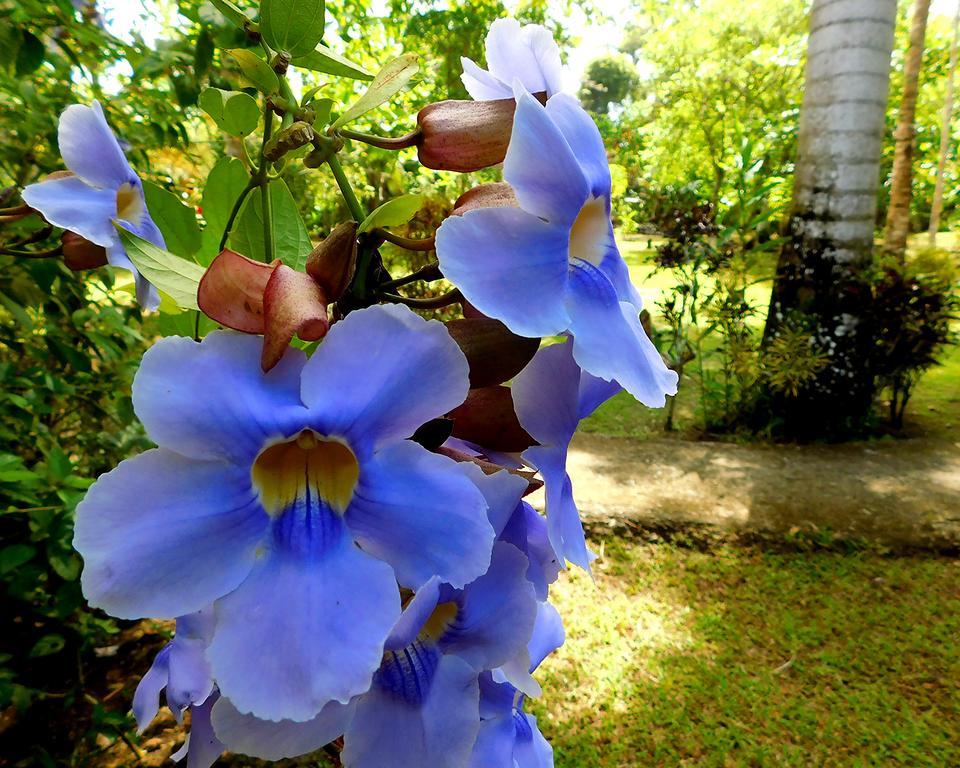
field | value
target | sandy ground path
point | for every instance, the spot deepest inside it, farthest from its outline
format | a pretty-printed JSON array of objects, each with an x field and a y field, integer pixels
[{"x": 903, "y": 493}]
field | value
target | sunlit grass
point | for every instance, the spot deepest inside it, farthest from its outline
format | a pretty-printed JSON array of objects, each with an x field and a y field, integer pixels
[{"x": 737, "y": 657}]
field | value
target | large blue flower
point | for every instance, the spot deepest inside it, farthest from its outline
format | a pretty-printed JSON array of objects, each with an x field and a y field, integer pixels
[
  {"x": 102, "y": 190},
  {"x": 552, "y": 265},
  {"x": 423, "y": 706},
  {"x": 291, "y": 501},
  {"x": 551, "y": 395}
]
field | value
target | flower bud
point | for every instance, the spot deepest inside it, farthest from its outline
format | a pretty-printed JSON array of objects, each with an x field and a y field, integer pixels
[
  {"x": 333, "y": 262},
  {"x": 465, "y": 136},
  {"x": 496, "y": 195},
  {"x": 79, "y": 253},
  {"x": 297, "y": 135},
  {"x": 487, "y": 419}
]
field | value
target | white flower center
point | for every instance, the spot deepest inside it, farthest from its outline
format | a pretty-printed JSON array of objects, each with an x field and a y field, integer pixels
[
  {"x": 130, "y": 205},
  {"x": 588, "y": 235}
]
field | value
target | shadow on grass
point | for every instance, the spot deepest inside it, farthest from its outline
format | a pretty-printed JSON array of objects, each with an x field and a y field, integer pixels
[{"x": 739, "y": 657}]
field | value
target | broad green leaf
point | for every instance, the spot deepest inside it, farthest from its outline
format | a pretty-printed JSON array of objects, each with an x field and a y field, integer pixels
[
  {"x": 65, "y": 564},
  {"x": 389, "y": 81},
  {"x": 256, "y": 70},
  {"x": 48, "y": 645},
  {"x": 234, "y": 112},
  {"x": 291, "y": 244},
  {"x": 177, "y": 222},
  {"x": 185, "y": 324},
  {"x": 328, "y": 61},
  {"x": 231, "y": 11},
  {"x": 30, "y": 55},
  {"x": 393, "y": 212},
  {"x": 14, "y": 556},
  {"x": 224, "y": 186},
  {"x": 294, "y": 26},
  {"x": 176, "y": 277}
]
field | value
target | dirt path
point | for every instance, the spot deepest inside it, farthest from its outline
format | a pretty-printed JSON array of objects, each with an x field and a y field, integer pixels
[{"x": 901, "y": 493}]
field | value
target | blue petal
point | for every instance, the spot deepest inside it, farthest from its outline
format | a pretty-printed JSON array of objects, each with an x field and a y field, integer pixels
[
  {"x": 163, "y": 536},
  {"x": 548, "y": 634},
  {"x": 495, "y": 742},
  {"x": 594, "y": 392},
  {"x": 147, "y": 295},
  {"x": 146, "y": 699},
  {"x": 90, "y": 149},
  {"x": 191, "y": 680},
  {"x": 437, "y": 732},
  {"x": 527, "y": 531},
  {"x": 70, "y": 204},
  {"x": 531, "y": 749},
  {"x": 541, "y": 167},
  {"x": 420, "y": 513},
  {"x": 415, "y": 615},
  {"x": 306, "y": 628},
  {"x": 545, "y": 395},
  {"x": 202, "y": 747},
  {"x": 496, "y": 698},
  {"x": 510, "y": 265},
  {"x": 528, "y": 54},
  {"x": 410, "y": 371},
  {"x": 496, "y": 615},
  {"x": 584, "y": 140},
  {"x": 212, "y": 401},
  {"x": 481, "y": 85},
  {"x": 609, "y": 342},
  {"x": 271, "y": 740},
  {"x": 501, "y": 490},
  {"x": 563, "y": 520}
]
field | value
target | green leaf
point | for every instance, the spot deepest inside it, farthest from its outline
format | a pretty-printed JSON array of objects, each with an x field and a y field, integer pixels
[
  {"x": 14, "y": 556},
  {"x": 234, "y": 112},
  {"x": 30, "y": 55},
  {"x": 176, "y": 277},
  {"x": 294, "y": 26},
  {"x": 389, "y": 81},
  {"x": 291, "y": 244},
  {"x": 256, "y": 70},
  {"x": 393, "y": 213},
  {"x": 224, "y": 185},
  {"x": 48, "y": 645},
  {"x": 65, "y": 564},
  {"x": 231, "y": 11},
  {"x": 177, "y": 222},
  {"x": 328, "y": 61}
]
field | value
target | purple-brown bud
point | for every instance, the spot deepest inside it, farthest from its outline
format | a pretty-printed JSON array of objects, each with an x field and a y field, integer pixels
[
  {"x": 496, "y": 195},
  {"x": 332, "y": 263},
  {"x": 465, "y": 136},
  {"x": 80, "y": 254},
  {"x": 495, "y": 354}
]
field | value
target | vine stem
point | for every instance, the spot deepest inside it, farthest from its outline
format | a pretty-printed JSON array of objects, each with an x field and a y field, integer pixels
[
  {"x": 435, "y": 302},
  {"x": 346, "y": 190},
  {"x": 383, "y": 142},
  {"x": 410, "y": 244},
  {"x": 263, "y": 182},
  {"x": 251, "y": 185},
  {"x": 428, "y": 273}
]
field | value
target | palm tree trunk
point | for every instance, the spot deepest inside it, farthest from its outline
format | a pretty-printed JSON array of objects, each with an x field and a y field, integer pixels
[
  {"x": 821, "y": 284},
  {"x": 936, "y": 209},
  {"x": 901, "y": 185}
]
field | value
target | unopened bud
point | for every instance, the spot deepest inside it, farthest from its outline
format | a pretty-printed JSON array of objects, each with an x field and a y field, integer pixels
[
  {"x": 333, "y": 262},
  {"x": 80, "y": 254},
  {"x": 293, "y": 304},
  {"x": 496, "y": 195},
  {"x": 324, "y": 148},
  {"x": 465, "y": 136},
  {"x": 297, "y": 135}
]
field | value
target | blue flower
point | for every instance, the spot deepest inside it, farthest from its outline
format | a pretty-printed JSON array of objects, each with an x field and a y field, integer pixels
[
  {"x": 102, "y": 190},
  {"x": 528, "y": 54},
  {"x": 551, "y": 395},
  {"x": 182, "y": 669},
  {"x": 291, "y": 501},
  {"x": 508, "y": 736},
  {"x": 422, "y": 708},
  {"x": 552, "y": 265}
]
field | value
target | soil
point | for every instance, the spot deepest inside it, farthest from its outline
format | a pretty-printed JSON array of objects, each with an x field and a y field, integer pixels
[{"x": 902, "y": 494}]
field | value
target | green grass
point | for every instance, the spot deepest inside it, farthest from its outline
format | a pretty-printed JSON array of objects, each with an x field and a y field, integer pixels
[{"x": 739, "y": 657}]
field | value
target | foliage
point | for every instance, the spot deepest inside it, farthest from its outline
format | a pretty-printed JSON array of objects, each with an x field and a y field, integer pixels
[
  {"x": 608, "y": 80},
  {"x": 914, "y": 305}
]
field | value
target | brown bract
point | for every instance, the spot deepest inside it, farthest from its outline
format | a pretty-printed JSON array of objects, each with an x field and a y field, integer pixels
[
  {"x": 487, "y": 419},
  {"x": 494, "y": 352},
  {"x": 333, "y": 262},
  {"x": 496, "y": 195},
  {"x": 80, "y": 254},
  {"x": 464, "y": 136}
]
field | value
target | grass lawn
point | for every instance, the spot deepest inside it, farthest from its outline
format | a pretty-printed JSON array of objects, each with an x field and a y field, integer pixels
[{"x": 740, "y": 657}]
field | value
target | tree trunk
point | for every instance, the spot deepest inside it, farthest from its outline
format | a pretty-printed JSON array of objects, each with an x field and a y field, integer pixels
[
  {"x": 821, "y": 284},
  {"x": 901, "y": 185},
  {"x": 936, "y": 209}
]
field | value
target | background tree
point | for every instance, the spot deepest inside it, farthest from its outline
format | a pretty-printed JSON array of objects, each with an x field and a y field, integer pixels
[
  {"x": 901, "y": 185},
  {"x": 608, "y": 80},
  {"x": 821, "y": 284},
  {"x": 936, "y": 209}
]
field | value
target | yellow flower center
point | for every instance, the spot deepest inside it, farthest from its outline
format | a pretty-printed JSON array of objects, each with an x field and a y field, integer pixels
[
  {"x": 130, "y": 205},
  {"x": 441, "y": 618},
  {"x": 588, "y": 235},
  {"x": 310, "y": 466}
]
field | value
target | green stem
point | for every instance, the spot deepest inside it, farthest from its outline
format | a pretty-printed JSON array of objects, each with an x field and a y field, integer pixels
[
  {"x": 409, "y": 244},
  {"x": 263, "y": 181},
  {"x": 251, "y": 185},
  {"x": 346, "y": 190}
]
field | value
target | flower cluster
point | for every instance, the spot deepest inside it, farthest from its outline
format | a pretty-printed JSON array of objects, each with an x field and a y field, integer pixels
[{"x": 342, "y": 537}]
